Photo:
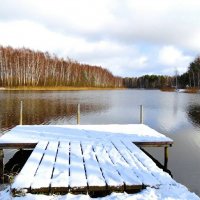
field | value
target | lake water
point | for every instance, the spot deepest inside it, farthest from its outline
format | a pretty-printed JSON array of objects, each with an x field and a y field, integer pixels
[{"x": 177, "y": 115}]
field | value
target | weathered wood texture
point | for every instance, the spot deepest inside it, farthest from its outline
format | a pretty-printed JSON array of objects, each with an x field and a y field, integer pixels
[
  {"x": 154, "y": 144},
  {"x": 80, "y": 167},
  {"x": 1, "y": 166},
  {"x": 165, "y": 157},
  {"x": 20, "y": 145},
  {"x": 32, "y": 145}
]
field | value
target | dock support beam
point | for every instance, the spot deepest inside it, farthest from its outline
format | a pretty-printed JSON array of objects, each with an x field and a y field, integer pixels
[
  {"x": 78, "y": 114},
  {"x": 166, "y": 157},
  {"x": 141, "y": 114},
  {"x": 21, "y": 113},
  {"x": 1, "y": 166}
]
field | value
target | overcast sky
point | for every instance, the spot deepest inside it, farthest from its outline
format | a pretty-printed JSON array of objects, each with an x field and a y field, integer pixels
[{"x": 129, "y": 37}]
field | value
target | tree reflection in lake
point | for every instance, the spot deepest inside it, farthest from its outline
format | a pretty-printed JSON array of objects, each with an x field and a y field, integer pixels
[
  {"x": 40, "y": 108},
  {"x": 193, "y": 112}
]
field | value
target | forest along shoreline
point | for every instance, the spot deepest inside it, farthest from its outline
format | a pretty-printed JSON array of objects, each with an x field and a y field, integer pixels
[{"x": 25, "y": 69}]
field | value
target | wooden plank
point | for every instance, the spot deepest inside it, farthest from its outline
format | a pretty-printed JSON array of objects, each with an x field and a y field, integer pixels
[
  {"x": 60, "y": 178},
  {"x": 148, "y": 164},
  {"x": 96, "y": 181},
  {"x": 139, "y": 169},
  {"x": 131, "y": 180},
  {"x": 1, "y": 166},
  {"x": 17, "y": 145},
  {"x": 43, "y": 175},
  {"x": 24, "y": 179},
  {"x": 165, "y": 157},
  {"x": 77, "y": 179},
  {"x": 32, "y": 145},
  {"x": 154, "y": 144},
  {"x": 82, "y": 167},
  {"x": 113, "y": 179}
]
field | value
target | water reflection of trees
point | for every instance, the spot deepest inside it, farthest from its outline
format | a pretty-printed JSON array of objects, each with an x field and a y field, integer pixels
[
  {"x": 193, "y": 112},
  {"x": 43, "y": 111}
]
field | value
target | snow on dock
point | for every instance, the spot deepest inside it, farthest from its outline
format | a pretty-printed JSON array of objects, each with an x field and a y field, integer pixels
[
  {"x": 137, "y": 133},
  {"x": 86, "y": 171},
  {"x": 77, "y": 159}
]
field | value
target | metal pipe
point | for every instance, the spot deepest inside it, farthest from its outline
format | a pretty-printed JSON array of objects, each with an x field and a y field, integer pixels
[
  {"x": 78, "y": 114},
  {"x": 21, "y": 113},
  {"x": 141, "y": 114}
]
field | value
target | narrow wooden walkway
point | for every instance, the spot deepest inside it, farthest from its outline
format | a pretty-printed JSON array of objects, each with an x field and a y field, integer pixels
[{"x": 81, "y": 167}]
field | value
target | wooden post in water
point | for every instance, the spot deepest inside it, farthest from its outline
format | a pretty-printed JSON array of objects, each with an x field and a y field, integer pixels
[
  {"x": 78, "y": 114},
  {"x": 1, "y": 166},
  {"x": 21, "y": 113},
  {"x": 141, "y": 114},
  {"x": 166, "y": 157}
]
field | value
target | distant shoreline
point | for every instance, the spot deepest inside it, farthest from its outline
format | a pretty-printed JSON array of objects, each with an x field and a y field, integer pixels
[
  {"x": 187, "y": 90},
  {"x": 71, "y": 88},
  {"x": 58, "y": 88}
]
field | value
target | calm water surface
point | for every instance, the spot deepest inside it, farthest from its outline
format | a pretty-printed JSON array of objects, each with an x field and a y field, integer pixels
[{"x": 177, "y": 115}]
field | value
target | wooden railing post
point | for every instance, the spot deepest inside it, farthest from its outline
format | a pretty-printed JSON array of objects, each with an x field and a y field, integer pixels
[
  {"x": 1, "y": 166},
  {"x": 78, "y": 114},
  {"x": 141, "y": 114},
  {"x": 166, "y": 157},
  {"x": 21, "y": 113}
]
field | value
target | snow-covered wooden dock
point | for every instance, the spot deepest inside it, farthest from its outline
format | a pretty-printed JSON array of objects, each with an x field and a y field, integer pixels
[
  {"x": 80, "y": 168},
  {"x": 87, "y": 158}
]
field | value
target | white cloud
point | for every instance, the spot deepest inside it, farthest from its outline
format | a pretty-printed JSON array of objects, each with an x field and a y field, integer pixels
[
  {"x": 129, "y": 20},
  {"x": 103, "y": 53},
  {"x": 194, "y": 40},
  {"x": 173, "y": 59},
  {"x": 142, "y": 61},
  {"x": 128, "y": 37}
]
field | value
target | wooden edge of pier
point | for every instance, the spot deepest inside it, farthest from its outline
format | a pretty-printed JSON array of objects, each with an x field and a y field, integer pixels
[
  {"x": 23, "y": 145},
  {"x": 158, "y": 144},
  {"x": 154, "y": 144},
  {"x": 83, "y": 190},
  {"x": 20, "y": 145}
]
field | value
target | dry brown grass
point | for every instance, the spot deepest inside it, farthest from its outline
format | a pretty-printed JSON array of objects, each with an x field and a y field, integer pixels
[
  {"x": 167, "y": 89},
  {"x": 58, "y": 88},
  {"x": 191, "y": 90},
  {"x": 188, "y": 90}
]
